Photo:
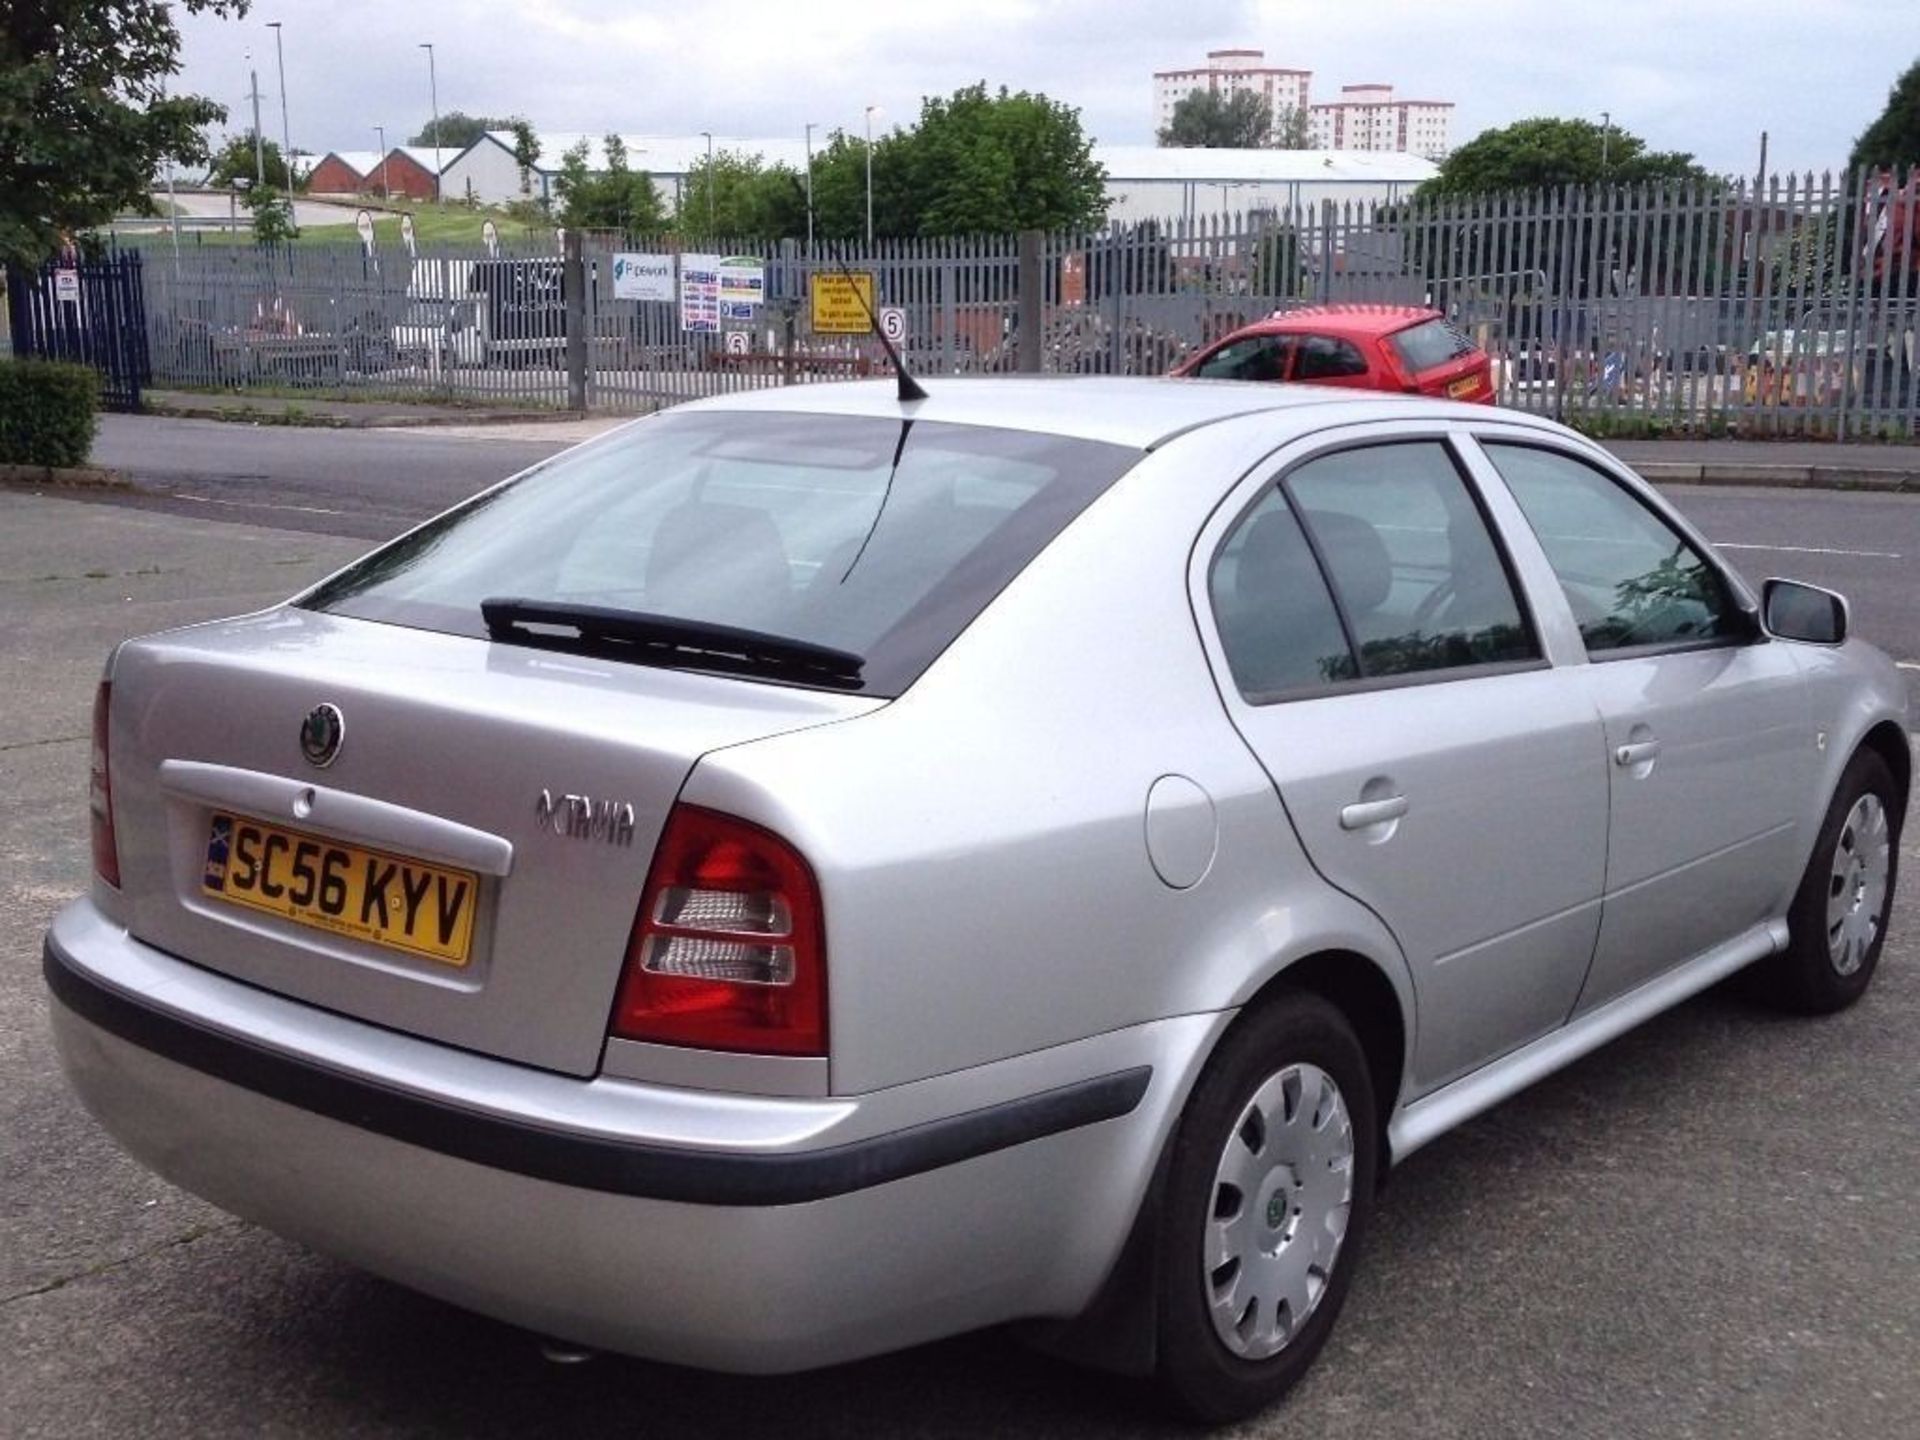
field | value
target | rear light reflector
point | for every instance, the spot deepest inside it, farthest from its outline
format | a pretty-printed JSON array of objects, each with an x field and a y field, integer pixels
[
  {"x": 106, "y": 850},
  {"x": 728, "y": 950}
]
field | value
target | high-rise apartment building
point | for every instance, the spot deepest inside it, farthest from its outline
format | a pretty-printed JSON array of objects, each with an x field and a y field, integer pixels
[
  {"x": 1368, "y": 117},
  {"x": 1365, "y": 117},
  {"x": 1229, "y": 72}
]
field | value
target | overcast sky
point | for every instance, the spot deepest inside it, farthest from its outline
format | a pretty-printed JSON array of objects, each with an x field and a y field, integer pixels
[{"x": 1701, "y": 75}]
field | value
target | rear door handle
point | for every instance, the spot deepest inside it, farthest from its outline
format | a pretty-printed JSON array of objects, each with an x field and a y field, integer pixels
[
  {"x": 1362, "y": 813},
  {"x": 1627, "y": 756}
]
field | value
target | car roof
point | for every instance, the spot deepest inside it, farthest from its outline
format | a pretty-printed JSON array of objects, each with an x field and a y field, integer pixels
[
  {"x": 1138, "y": 412},
  {"x": 1342, "y": 320}
]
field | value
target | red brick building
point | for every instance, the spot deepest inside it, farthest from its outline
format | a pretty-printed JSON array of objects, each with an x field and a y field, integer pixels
[
  {"x": 406, "y": 171},
  {"x": 342, "y": 172},
  {"x": 410, "y": 171}
]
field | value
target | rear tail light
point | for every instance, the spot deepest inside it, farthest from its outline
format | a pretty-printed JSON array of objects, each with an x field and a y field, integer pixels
[
  {"x": 106, "y": 851},
  {"x": 728, "y": 951}
]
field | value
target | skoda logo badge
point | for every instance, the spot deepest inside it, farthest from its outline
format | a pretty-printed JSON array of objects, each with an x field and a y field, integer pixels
[{"x": 321, "y": 733}]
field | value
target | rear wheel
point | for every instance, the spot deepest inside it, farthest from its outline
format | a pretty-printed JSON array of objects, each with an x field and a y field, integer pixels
[
  {"x": 1838, "y": 922},
  {"x": 1271, "y": 1184}
]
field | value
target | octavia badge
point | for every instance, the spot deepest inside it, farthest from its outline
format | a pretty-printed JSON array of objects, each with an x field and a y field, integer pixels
[{"x": 321, "y": 733}]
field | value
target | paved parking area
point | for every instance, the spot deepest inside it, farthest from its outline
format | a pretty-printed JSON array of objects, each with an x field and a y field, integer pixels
[{"x": 1708, "y": 1229}]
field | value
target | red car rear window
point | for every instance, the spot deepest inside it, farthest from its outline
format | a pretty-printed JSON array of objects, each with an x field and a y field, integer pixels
[{"x": 1429, "y": 345}]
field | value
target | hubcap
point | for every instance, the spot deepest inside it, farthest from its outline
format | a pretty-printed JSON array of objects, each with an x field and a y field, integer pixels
[
  {"x": 1857, "y": 891},
  {"x": 1281, "y": 1196}
]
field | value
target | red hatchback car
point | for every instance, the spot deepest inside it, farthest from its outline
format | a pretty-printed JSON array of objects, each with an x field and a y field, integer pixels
[{"x": 1401, "y": 348}]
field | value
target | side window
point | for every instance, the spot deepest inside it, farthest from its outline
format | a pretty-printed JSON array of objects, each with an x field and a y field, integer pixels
[
  {"x": 1630, "y": 578},
  {"x": 1277, "y": 621},
  {"x": 1419, "y": 581},
  {"x": 1258, "y": 357},
  {"x": 1327, "y": 357}
]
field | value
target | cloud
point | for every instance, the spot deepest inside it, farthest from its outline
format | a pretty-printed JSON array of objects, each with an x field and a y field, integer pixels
[{"x": 1706, "y": 76}]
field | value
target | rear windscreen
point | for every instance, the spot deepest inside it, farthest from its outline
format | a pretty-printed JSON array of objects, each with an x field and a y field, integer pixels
[
  {"x": 1429, "y": 345},
  {"x": 883, "y": 537}
]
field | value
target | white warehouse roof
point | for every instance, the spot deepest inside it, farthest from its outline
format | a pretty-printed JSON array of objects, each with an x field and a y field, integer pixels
[
  {"x": 1271, "y": 167},
  {"x": 677, "y": 154}
]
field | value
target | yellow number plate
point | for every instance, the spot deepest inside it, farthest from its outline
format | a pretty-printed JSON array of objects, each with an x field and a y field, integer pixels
[
  {"x": 386, "y": 900},
  {"x": 1463, "y": 385}
]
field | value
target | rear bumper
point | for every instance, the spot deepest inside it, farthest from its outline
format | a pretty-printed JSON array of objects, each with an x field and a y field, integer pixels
[{"x": 732, "y": 1232}]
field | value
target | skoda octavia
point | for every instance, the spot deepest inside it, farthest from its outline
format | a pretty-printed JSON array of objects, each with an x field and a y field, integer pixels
[{"x": 811, "y": 872}]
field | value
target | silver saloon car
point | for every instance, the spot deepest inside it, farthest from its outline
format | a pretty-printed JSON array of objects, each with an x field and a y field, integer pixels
[{"x": 812, "y": 872}]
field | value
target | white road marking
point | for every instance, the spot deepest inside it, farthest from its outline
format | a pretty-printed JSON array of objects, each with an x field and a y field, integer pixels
[
  {"x": 1806, "y": 550},
  {"x": 253, "y": 504},
  {"x": 1908, "y": 664}
]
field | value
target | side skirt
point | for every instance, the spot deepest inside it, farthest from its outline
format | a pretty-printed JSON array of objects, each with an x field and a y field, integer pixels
[{"x": 1433, "y": 1115}]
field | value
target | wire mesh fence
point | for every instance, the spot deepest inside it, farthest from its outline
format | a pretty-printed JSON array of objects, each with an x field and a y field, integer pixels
[{"x": 1787, "y": 308}]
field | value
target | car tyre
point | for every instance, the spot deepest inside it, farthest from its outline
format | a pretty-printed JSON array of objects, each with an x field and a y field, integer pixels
[
  {"x": 1838, "y": 922},
  {"x": 1270, "y": 1186}
]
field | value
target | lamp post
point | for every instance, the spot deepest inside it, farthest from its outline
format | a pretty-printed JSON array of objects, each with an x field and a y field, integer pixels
[
  {"x": 810, "y": 125},
  {"x": 286, "y": 133},
  {"x": 433, "y": 93},
  {"x": 870, "y": 113},
  {"x": 381, "y": 132},
  {"x": 259, "y": 144},
  {"x": 709, "y": 135},
  {"x": 1606, "y": 134}
]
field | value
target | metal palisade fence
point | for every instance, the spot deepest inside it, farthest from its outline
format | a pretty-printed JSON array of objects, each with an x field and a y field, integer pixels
[{"x": 1787, "y": 308}]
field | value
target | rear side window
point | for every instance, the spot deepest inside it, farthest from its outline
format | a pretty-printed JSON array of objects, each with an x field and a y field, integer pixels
[
  {"x": 876, "y": 536},
  {"x": 1420, "y": 582},
  {"x": 1365, "y": 564},
  {"x": 1429, "y": 345},
  {"x": 1630, "y": 578},
  {"x": 1328, "y": 357},
  {"x": 1258, "y": 357},
  {"x": 1277, "y": 620}
]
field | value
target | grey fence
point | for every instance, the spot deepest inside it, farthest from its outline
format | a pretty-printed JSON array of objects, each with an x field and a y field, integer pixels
[{"x": 1788, "y": 308}]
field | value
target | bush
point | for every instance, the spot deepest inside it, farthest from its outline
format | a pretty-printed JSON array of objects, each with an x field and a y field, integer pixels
[{"x": 46, "y": 413}]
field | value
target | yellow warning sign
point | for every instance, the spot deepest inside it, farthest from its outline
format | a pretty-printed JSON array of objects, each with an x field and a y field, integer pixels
[{"x": 837, "y": 303}]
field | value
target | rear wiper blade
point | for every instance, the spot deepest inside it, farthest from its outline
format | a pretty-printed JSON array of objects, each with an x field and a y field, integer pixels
[{"x": 512, "y": 618}]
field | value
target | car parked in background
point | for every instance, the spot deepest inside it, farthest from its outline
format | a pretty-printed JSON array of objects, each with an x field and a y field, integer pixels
[
  {"x": 1398, "y": 348},
  {"x": 811, "y": 872}
]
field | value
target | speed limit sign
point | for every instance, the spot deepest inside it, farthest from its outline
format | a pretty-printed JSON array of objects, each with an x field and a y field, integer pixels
[
  {"x": 893, "y": 323},
  {"x": 736, "y": 342}
]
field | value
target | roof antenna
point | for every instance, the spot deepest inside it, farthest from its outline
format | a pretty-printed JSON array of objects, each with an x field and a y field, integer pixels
[{"x": 909, "y": 387}]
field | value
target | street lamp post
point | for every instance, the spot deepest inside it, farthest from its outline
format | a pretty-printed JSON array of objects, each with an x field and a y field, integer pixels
[
  {"x": 286, "y": 133},
  {"x": 259, "y": 144},
  {"x": 810, "y": 125},
  {"x": 709, "y": 135},
  {"x": 1606, "y": 134},
  {"x": 433, "y": 93},
  {"x": 870, "y": 110},
  {"x": 381, "y": 132}
]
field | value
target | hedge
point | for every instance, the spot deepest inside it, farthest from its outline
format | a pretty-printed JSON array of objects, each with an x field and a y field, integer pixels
[{"x": 46, "y": 413}]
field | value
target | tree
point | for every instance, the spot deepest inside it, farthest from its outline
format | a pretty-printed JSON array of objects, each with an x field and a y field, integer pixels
[
  {"x": 1292, "y": 129},
  {"x": 272, "y": 215},
  {"x": 840, "y": 187},
  {"x": 992, "y": 164},
  {"x": 456, "y": 130},
  {"x": 1893, "y": 140},
  {"x": 1219, "y": 120},
  {"x": 234, "y": 160},
  {"x": 526, "y": 150},
  {"x": 1545, "y": 153},
  {"x": 750, "y": 199},
  {"x": 85, "y": 118},
  {"x": 615, "y": 198}
]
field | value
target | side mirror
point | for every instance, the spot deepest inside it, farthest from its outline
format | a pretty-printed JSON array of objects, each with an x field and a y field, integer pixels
[{"x": 1794, "y": 611}]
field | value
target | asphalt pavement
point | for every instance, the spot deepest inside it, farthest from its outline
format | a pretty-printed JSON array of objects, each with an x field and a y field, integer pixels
[{"x": 1706, "y": 1229}]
